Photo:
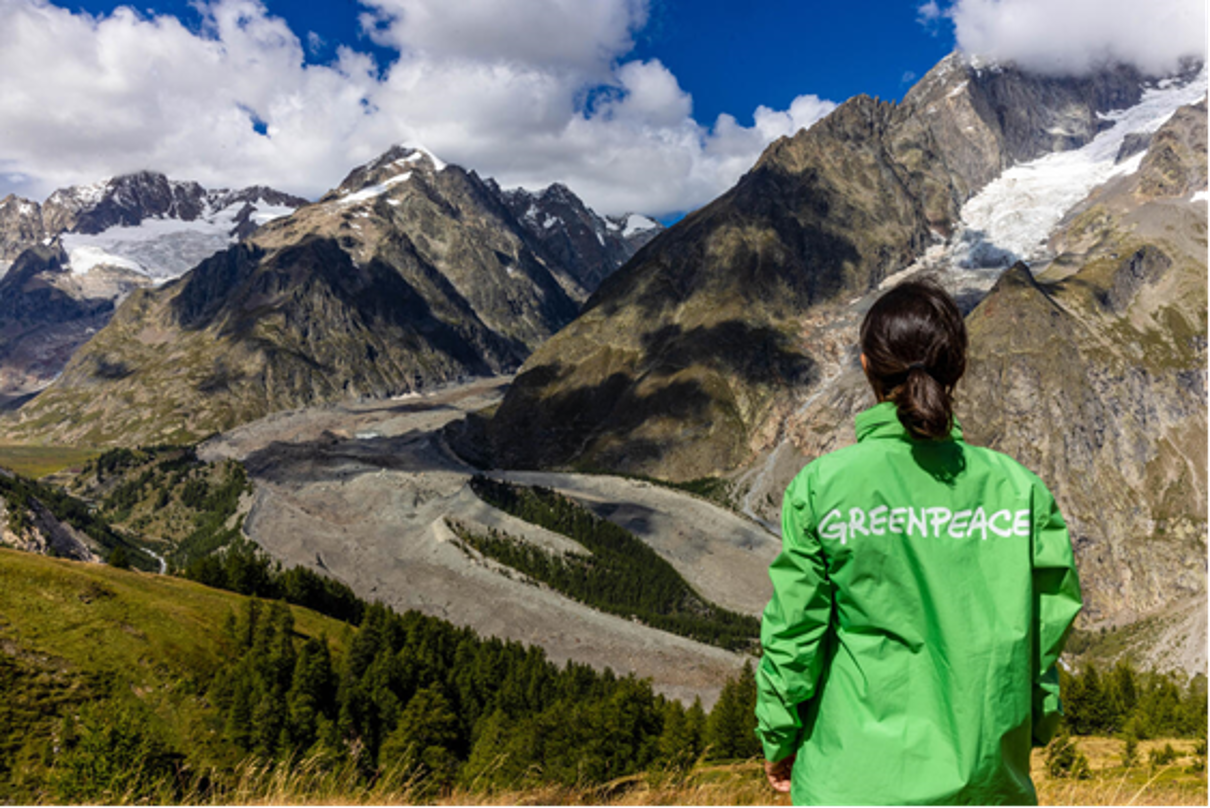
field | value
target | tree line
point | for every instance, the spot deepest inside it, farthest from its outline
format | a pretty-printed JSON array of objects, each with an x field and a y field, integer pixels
[
  {"x": 1140, "y": 705},
  {"x": 417, "y": 695},
  {"x": 619, "y": 574}
]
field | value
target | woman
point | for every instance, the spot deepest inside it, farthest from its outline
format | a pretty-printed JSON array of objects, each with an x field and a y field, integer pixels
[{"x": 922, "y": 597}]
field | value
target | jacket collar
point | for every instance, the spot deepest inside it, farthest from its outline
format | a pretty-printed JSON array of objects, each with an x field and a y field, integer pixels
[{"x": 882, "y": 421}]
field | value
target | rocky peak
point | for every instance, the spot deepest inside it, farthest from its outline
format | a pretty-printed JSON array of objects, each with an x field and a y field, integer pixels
[
  {"x": 222, "y": 197},
  {"x": 397, "y": 164},
  {"x": 590, "y": 245},
  {"x": 20, "y": 226},
  {"x": 1175, "y": 163}
]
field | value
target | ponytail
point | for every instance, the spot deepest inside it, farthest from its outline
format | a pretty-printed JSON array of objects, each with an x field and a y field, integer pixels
[{"x": 914, "y": 341}]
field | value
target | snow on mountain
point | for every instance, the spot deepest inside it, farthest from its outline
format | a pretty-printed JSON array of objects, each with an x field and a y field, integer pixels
[
  {"x": 398, "y": 164},
  {"x": 1012, "y": 217},
  {"x": 636, "y": 223},
  {"x": 165, "y": 248},
  {"x": 373, "y": 191}
]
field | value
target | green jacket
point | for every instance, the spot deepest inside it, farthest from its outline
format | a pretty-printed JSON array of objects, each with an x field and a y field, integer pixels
[{"x": 920, "y": 602}]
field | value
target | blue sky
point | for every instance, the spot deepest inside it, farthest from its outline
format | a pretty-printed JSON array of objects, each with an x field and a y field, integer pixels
[
  {"x": 773, "y": 51},
  {"x": 650, "y": 106}
]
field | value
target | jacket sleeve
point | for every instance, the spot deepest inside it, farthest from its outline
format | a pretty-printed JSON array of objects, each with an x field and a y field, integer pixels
[
  {"x": 793, "y": 629},
  {"x": 1056, "y": 604}
]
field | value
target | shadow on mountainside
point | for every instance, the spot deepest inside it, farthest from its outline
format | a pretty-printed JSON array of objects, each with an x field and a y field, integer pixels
[
  {"x": 632, "y": 418},
  {"x": 331, "y": 458}
]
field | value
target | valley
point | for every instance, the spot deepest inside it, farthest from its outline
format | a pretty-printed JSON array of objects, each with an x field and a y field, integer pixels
[{"x": 363, "y": 493}]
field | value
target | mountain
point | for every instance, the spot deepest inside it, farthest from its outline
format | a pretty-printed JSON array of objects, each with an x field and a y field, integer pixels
[
  {"x": 592, "y": 246},
  {"x": 727, "y": 347},
  {"x": 144, "y": 222},
  {"x": 409, "y": 274},
  {"x": 44, "y": 315},
  {"x": 682, "y": 355},
  {"x": 106, "y": 239}
]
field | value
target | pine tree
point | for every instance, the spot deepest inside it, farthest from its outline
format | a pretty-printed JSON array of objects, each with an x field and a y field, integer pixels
[
  {"x": 422, "y": 742},
  {"x": 678, "y": 745},
  {"x": 729, "y": 729},
  {"x": 1130, "y": 751}
]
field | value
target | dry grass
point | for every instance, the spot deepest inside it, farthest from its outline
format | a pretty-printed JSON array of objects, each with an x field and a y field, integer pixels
[{"x": 731, "y": 784}]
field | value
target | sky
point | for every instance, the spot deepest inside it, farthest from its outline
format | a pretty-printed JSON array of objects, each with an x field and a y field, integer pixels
[{"x": 649, "y": 106}]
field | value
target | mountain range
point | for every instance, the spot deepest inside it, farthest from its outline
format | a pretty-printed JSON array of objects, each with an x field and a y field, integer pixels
[
  {"x": 409, "y": 274},
  {"x": 1066, "y": 214}
]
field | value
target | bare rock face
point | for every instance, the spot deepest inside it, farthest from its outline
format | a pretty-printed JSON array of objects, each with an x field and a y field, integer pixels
[
  {"x": 42, "y": 320},
  {"x": 410, "y": 274},
  {"x": 20, "y": 226},
  {"x": 38, "y": 531},
  {"x": 590, "y": 245}
]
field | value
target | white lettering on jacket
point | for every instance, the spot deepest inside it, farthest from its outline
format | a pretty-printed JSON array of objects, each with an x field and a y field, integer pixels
[{"x": 935, "y": 522}]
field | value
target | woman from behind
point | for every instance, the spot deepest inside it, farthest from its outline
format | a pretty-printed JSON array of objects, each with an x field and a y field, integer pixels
[{"x": 921, "y": 600}]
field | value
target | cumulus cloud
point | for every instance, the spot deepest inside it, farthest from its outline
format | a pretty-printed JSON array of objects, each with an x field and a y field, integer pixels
[
  {"x": 1070, "y": 37},
  {"x": 527, "y": 91}
]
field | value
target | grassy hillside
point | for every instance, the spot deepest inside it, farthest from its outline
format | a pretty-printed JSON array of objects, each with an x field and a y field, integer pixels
[
  {"x": 123, "y": 686},
  {"x": 76, "y": 635},
  {"x": 38, "y": 461}
]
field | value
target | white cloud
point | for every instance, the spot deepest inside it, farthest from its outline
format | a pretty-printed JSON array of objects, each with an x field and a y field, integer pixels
[
  {"x": 1067, "y": 37},
  {"x": 527, "y": 91},
  {"x": 583, "y": 35},
  {"x": 928, "y": 12}
]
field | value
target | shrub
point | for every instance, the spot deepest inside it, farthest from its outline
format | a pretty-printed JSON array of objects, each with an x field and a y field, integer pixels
[
  {"x": 1064, "y": 759},
  {"x": 1162, "y": 757},
  {"x": 1130, "y": 751},
  {"x": 113, "y": 753}
]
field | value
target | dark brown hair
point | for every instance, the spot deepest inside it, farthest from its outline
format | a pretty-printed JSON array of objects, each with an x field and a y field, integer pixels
[{"x": 914, "y": 341}]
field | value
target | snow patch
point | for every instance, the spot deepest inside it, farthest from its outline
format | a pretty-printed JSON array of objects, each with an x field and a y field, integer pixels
[
  {"x": 1200, "y": 196},
  {"x": 1012, "y": 217},
  {"x": 161, "y": 248},
  {"x": 268, "y": 213},
  {"x": 419, "y": 151},
  {"x": 636, "y": 223},
  {"x": 374, "y": 191},
  {"x": 86, "y": 257}
]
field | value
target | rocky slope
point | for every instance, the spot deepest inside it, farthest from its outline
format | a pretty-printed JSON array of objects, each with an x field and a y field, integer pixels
[
  {"x": 684, "y": 357},
  {"x": 590, "y": 245},
  {"x": 29, "y": 526},
  {"x": 43, "y": 318},
  {"x": 409, "y": 274}
]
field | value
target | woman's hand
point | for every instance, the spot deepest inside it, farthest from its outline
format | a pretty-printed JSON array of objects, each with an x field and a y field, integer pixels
[{"x": 779, "y": 773}]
